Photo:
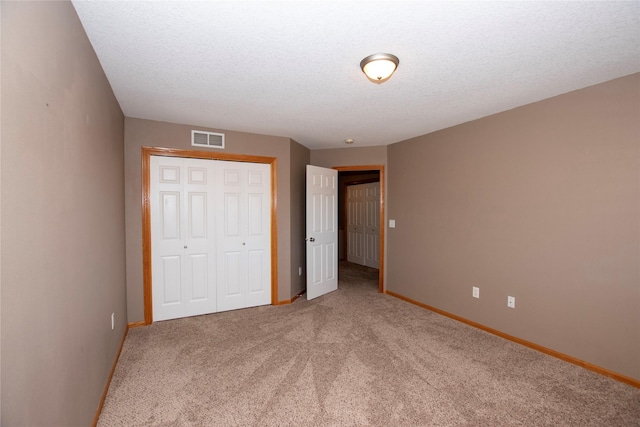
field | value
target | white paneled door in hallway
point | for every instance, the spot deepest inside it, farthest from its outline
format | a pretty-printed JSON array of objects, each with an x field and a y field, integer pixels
[
  {"x": 355, "y": 224},
  {"x": 322, "y": 231},
  {"x": 363, "y": 224},
  {"x": 210, "y": 235},
  {"x": 372, "y": 224}
]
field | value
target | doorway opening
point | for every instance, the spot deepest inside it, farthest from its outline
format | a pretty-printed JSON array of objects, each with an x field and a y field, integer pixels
[{"x": 351, "y": 176}]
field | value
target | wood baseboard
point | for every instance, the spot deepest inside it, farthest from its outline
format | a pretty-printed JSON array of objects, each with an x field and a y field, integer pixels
[
  {"x": 137, "y": 324},
  {"x": 289, "y": 301},
  {"x": 598, "y": 369},
  {"x": 113, "y": 369}
]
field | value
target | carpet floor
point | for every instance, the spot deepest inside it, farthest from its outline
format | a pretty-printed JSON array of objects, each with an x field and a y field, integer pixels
[{"x": 354, "y": 357}]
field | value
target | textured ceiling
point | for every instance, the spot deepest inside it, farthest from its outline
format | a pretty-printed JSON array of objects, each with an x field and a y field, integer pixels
[{"x": 292, "y": 68}]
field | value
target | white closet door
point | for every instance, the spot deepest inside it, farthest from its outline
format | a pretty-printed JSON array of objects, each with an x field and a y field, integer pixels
[
  {"x": 244, "y": 235},
  {"x": 210, "y": 234},
  {"x": 200, "y": 242},
  {"x": 182, "y": 248}
]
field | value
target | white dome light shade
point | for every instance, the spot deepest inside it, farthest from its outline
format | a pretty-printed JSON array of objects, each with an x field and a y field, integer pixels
[{"x": 379, "y": 66}]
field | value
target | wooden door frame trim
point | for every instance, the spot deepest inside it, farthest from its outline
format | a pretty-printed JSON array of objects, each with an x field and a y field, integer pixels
[
  {"x": 379, "y": 168},
  {"x": 147, "y": 152}
]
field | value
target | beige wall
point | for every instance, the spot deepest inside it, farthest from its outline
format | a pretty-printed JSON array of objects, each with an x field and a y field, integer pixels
[
  {"x": 352, "y": 156},
  {"x": 0, "y": 221},
  {"x": 541, "y": 203},
  {"x": 139, "y": 133},
  {"x": 63, "y": 266},
  {"x": 299, "y": 161}
]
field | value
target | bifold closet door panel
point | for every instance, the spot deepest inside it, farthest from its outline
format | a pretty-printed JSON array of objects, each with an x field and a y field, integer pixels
[
  {"x": 183, "y": 245},
  {"x": 244, "y": 235},
  {"x": 200, "y": 239}
]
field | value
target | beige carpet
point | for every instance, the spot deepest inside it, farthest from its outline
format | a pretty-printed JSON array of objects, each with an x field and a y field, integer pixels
[{"x": 353, "y": 357}]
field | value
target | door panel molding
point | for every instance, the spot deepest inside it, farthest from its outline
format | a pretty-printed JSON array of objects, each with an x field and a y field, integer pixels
[
  {"x": 147, "y": 152},
  {"x": 379, "y": 168}
]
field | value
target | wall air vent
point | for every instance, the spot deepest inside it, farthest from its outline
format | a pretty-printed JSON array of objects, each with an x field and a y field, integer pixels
[{"x": 207, "y": 139}]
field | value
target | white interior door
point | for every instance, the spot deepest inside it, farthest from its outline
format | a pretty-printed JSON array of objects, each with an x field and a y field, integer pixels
[
  {"x": 322, "y": 231},
  {"x": 355, "y": 224},
  {"x": 372, "y": 224},
  {"x": 244, "y": 233},
  {"x": 183, "y": 248},
  {"x": 363, "y": 224}
]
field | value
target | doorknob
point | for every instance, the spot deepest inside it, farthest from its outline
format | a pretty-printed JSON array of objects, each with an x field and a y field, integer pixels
[{"x": 311, "y": 239}]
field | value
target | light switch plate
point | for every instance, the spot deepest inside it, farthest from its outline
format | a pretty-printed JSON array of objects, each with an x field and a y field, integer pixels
[{"x": 392, "y": 223}]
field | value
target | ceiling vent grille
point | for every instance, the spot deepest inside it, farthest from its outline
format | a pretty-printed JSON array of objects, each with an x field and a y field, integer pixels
[{"x": 207, "y": 139}]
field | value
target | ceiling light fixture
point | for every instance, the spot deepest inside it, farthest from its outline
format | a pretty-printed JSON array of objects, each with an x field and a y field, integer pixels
[
  {"x": 348, "y": 141},
  {"x": 379, "y": 66}
]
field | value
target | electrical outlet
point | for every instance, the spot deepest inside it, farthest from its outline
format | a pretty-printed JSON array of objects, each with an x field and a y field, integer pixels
[
  {"x": 299, "y": 271},
  {"x": 476, "y": 292},
  {"x": 113, "y": 321},
  {"x": 511, "y": 302}
]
